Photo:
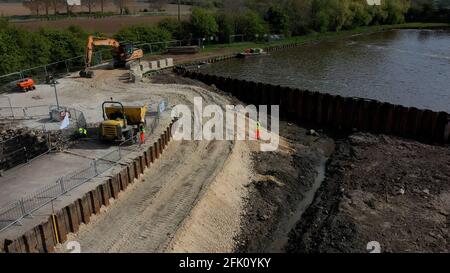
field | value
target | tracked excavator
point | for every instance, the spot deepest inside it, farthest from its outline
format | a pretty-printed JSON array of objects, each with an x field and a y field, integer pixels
[{"x": 124, "y": 53}]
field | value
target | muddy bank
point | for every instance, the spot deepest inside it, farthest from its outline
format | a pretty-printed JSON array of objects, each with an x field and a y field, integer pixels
[
  {"x": 383, "y": 189},
  {"x": 283, "y": 187},
  {"x": 370, "y": 188}
]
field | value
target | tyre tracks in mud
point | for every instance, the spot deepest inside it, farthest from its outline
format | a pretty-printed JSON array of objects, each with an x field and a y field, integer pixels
[
  {"x": 144, "y": 219},
  {"x": 147, "y": 215}
]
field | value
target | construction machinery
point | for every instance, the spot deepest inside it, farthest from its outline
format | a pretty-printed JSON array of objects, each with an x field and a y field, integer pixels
[
  {"x": 26, "y": 84},
  {"x": 121, "y": 123},
  {"x": 124, "y": 53}
]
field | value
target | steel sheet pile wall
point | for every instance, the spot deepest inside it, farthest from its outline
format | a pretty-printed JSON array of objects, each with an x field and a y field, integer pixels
[
  {"x": 44, "y": 237},
  {"x": 333, "y": 111}
]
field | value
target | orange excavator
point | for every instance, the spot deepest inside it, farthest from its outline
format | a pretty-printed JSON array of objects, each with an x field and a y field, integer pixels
[{"x": 125, "y": 53}]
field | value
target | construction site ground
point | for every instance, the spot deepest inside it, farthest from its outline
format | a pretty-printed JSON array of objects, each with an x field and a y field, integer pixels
[
  {"x": 382, "y": 189},
  {"x": 151, "y": 211},
  {"x": 226, "y": 196}
]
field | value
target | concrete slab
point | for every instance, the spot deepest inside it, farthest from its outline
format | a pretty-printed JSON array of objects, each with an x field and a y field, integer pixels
[
  {"x": 169, "y": 62},
  {"x": 43, "y": 213},
  {"x": 91, "y": 149},
  {"x": 42, "y": 171},
  {"x": 162, "y": 64},
  {"x": 153, "y": 65}
]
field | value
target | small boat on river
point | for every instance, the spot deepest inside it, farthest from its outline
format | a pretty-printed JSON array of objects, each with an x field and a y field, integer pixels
[{"x": 251, "y": 52}]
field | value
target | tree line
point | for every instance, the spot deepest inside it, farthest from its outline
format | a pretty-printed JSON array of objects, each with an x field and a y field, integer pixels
[
  {"x": 256, "y": 18},
  {"x": 253, "y": 19},
  {"x": 22, "y": 49}
]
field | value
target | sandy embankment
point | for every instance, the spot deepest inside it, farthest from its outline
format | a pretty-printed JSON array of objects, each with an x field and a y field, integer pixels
[{"x": 216, "y": 219}]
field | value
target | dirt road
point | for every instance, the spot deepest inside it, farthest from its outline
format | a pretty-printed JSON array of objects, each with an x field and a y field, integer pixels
[
  {"x": 145, "y": 217},
  {"x": 148, "y": 214}
]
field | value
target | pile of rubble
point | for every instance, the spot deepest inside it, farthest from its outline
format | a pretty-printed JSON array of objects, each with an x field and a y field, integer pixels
[{"x": 19, "y": 145}]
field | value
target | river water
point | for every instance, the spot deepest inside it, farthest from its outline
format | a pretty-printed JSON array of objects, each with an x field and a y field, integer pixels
[{"x": 407, "y": 67}]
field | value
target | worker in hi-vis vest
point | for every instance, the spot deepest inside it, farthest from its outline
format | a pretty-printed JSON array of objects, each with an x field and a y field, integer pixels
[
  {"x": 142, "y": 134},
  {"x": 258, "y": 128},
  {"x": 82, "y": 132}
]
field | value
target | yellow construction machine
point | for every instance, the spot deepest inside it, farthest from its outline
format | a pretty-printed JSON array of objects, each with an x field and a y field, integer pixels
[
  {"x": 124, "y": 54},
  {"x": 121, "y": 123}
]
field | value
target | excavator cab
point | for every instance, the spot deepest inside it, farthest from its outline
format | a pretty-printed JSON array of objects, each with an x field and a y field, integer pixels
[
  {"x": 128, "y": 49},
  {"x": 127, "y": 53}
]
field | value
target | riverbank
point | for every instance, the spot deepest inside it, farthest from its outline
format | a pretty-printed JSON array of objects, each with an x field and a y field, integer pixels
[
  {"x": 376, "y": 188},
  {"x": 283, "y": 186},
  {"x": 238, "y": 47},
  {"x": 285, "y": 181},
  {"x": 213, "y": 51},
  {"x": 379, "y": 188}
]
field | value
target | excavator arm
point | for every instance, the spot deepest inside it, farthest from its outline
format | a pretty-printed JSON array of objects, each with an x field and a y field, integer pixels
[{"x": 95, "y": 41}]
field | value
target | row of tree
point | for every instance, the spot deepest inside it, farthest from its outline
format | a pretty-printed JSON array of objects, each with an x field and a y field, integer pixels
[
  {"x": 21, "y": 49},
  {"x": 301, "y": 16},
  {"x": 256, "y": 18}
]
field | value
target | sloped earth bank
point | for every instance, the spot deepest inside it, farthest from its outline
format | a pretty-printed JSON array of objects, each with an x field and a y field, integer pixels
[
  {"x": 283, "y": 187},
  {"x": 221, "y": 196},
  {"x": 389, "y": 190},
  {"x": 215, "y": 220},
  {"x": 265, "y": 193},
  {"x": 314, "y": 196}
]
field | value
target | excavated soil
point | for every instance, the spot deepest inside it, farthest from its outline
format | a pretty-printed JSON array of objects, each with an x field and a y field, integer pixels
[
  {"x": 389, "y": 190},
  {"x": 284, "y": 186},
  {"x": 308, "y": 196},
  {"x": 312, "y": 197}
]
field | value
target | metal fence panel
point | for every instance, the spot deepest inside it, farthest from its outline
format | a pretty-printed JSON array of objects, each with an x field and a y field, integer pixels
[
  {"x": 9, "y": 214},
  {"x": 12, "y": 213},
  {"x": 8, "y": 82}
]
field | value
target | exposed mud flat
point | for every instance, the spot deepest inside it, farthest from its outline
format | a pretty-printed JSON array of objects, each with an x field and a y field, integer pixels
[
  {"x": 377, "y": 188},
  {"x": 284, "y": 186}
]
